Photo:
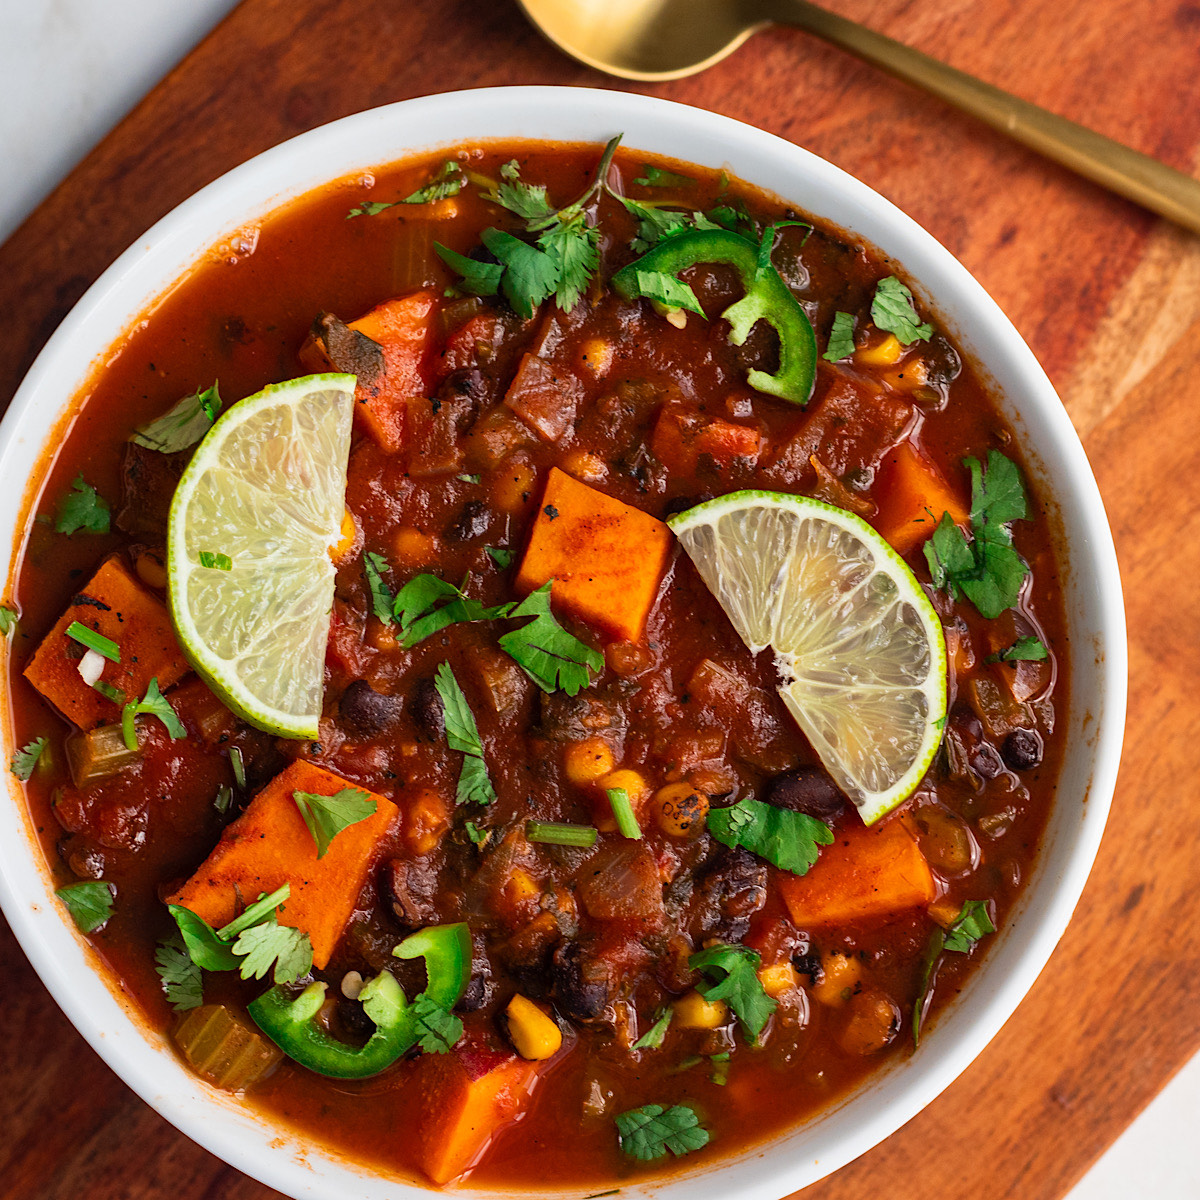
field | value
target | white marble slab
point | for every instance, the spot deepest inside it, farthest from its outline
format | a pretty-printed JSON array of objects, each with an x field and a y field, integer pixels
[{"x": 70, "y": 70}]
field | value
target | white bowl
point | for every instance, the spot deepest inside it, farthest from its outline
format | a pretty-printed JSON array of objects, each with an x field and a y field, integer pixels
[{"x": 1093, "y": 600}]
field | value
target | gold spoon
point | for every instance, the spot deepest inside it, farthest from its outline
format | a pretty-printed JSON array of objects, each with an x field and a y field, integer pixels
[{"x": 667, "y": 39}]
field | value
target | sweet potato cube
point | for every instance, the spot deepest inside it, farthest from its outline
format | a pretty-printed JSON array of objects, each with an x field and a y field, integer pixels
[
  {"x": 467, "y": 1097},
  {"x": 869, "y": 872},
  {"x": 681, "y": 438},
  {"x": 115, "y": 605},
  {"x": 270, "y": 845},
  {"x": 605, "y": 558},
  {"x": 913, "y": 495},
  {"x": 403, "y": 328}
]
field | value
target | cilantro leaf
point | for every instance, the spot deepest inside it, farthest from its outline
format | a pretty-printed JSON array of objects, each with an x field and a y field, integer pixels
[
  {"x": 656, "y": 224},
  {"x": 90, "y": 903},
  {"x": 25, "y": 759},
  {"x": 653, "y": 1037},
  {"x": 531, "y": 275},
  {"x": 1025, "y": 649},
  {"x": 500, "y": 556},
  {"x": 82, "y": 508},
  {"x": 327, "y": 816},
  {"x": 841, "y": 338},
  {"x": 787, "y": 839},
  {"x": 181, "y": 426},
  {"x": 438, "y": 1029},
  {"x": 474, "y": 784},
  {"x": 650, "y": 1131},
  {"x": 181, "y": 978},
  {"x": 204, "y": 946},
  {"x": 382, "y": 600},
  {"x": 997, "y": 492},
  {"x": 665, "y": 289},
  {"x": 416, "y": 608},
  {"x": 270, "y": 945},
  {"x": 371, "y": 208},
  {"x": 477, "y": 835},
  {"x": 447, "y": 182},
  {"x": 553, "y": 658},
  {"x": 8, "y": 621},
  {"x": 972, "y": 923},
  {"x": 476, "y": 278},
  {"x": 527, "y": 200},
  {"x": 893, "y": 311},
  {"x": 574, "y": 247},
  {"x": 735, "y": 971},
  {"x": 152, "y": 704},
  {"x": 657, "y": 177}
]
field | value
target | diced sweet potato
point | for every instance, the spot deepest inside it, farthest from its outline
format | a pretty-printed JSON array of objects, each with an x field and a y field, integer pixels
[
  {"x": 869, "y": 872},
  {"x": 913, "y": 494},
  {"x": 681, "y": 438},
  {"x": 270, "y": 845},
  {"x": 849, "y": 428},
  {"x": 544, "y": 397},
  {"x": 468, "y": 1096},
  {"x": 606, "y": 558},
  {"x": 116, "y": 606}
]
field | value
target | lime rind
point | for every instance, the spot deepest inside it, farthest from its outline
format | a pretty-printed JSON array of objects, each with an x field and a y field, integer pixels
[
  {"x": 267, "y": 487},
  {"x": 859, "y": 648}
]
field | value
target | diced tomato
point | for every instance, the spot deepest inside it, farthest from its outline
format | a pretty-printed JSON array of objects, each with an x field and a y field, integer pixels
[{"x": 681, "y": 437}]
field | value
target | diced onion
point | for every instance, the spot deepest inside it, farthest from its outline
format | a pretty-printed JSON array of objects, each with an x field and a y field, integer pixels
[{"x": 91, "y": 666}]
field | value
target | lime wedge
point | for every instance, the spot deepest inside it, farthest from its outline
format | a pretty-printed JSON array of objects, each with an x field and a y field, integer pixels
[
  {"x": 859, "y": 648},
  {"x": 250, "y": 579}
]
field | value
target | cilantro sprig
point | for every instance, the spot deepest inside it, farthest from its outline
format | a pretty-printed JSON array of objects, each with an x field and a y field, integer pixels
[
  {"x": 972, "y": 923},
  {"x": 90, "y": 903},
  {"x": 182, "y": 979},
  {"x": 25, "y": 759},
  {"x": 987, "y": 570},
  {"x": 733, "y": 975},
  {"x": 152, "y": 704},
  {"x": 438, "y": 1029},
  {"x": 474, "y": 783},
  {"x": 553, "y": 658},
  {"x": 651, "y": 1131},
  {"x": 841, "y": 338},
  {"x": 893, "y": 311},
  {"x": 428, "y": 604},
  {"x": 182, "y": 425},
  {"x": 82, "y": 508},
  {"x": 1024, "y": 649},
  {"x": 327, "y": 816},
  {"x": 786, "y": 839},
  {"x": 652, "y": 1039},
  {"x": 382, "y": 600}
]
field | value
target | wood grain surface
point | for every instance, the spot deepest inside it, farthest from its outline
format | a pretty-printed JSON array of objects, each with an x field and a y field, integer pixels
[{"x": 1109, "y": 299}]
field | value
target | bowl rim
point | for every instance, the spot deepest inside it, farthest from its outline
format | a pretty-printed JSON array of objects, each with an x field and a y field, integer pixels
[{"x": 131, "y": 287}]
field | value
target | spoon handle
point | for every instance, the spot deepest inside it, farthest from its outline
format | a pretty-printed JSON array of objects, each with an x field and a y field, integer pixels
[{"x": 1136, "y": 176}]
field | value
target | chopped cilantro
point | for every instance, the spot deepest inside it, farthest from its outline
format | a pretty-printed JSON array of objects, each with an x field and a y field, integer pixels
[
  {"x": 841, "y": 338},
  {"x": 152, "y": 704},
  {"x": 382, "y": 600},
  {"x": 216, "y": 560},
  {"x": 663, "y": 288},
  {"x": 25, "y": 759},
  {"x": 650, "y": 1131},
  {"x": 987, "y": 570},
  {"x": 735, "y": 971},
  {"x": 500, "y": 556},
  {"x": 183, "y": 425},
  {"x": 327, "y": 816},
  {"x": 371, "y": 208},
  {"x": 656, "y": 223},
  {"x": 1025, "y": 649},
  {"x": 271, "y": 948},
  {"x": 181, "y": 978},
  {"x": 438, "y": 1029},
  {"x": 82, "y": 508},
  {"x": 553, "y": 658},
  {"x": 90, "y": 903},
  {"x": 447, "y": 182},
  {"x": 416, "y": 608},
  {"x": 80, "y": 633},
  {"x": 477, "y": 835},
  {"x": 720, "y": 1071},
  {"x": 972, "y": 923},
  {"x": 468, "y": 478},
  {"x": 653, "y": 1037},
  {"x": 474, "y": 784},
  {"x": 657, "y": 177},
  {"x": 8, "y": 621},
  {"x": 476, "y": 278},
  {"x": 788, "y": 840},
  {"x": 893, "y": 311}
]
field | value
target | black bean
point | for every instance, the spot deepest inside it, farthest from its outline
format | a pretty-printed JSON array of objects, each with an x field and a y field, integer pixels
[
  {"x": 367, "y": 712},
  {"x": 353, "y": 1020},
  {"x": 963, "y": 718},
  {"x": 985, "y": 761},
  {"x": 733, "y": 889},
  {"x": 472, "y": 522},
  {"x": 808, "y": 964},
  {"x": 806, "y": 790},
  {"x": 683, "y": 503},
  {"x": 478, "y": 992},
  {"x": 478, "y": 386},
  {"x": 428, "y": 709},
  {"x": 582, "y": 985},
  {"x": 1022, "y": 749}
]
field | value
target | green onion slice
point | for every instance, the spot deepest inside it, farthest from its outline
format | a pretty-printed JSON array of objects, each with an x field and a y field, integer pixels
[
  {"x": 554, "y": 834},
  {"x": 627, "y": 823},
  {"x": 94, "y": 641}
]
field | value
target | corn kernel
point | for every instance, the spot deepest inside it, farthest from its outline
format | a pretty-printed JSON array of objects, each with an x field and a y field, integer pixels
[
  {"x": 680, "y": 810},
  {"x": 872, "y": 1022},
  {"x": 841, "y": 975},
  {"x": 347, "y": 536},
  {"x": 412, "y": 548},
  {"x": 587, "y": 468},
  {"x": 596, "y": 354},
  {"x": 514, "y": 486},
  {"x": 882, "y": 354},
  {"x": 693, "y": 1011},
  {"x": 585, "y": 762},
  {"x": 533, "y": 1033},
  {"x": 151, "y": 571},
  {"x": 778, "y": 979}
]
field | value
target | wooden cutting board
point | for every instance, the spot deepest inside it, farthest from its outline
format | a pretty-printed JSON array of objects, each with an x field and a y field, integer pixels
[{"x": 1109, "y": 299}]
